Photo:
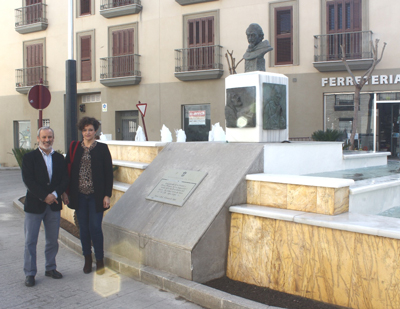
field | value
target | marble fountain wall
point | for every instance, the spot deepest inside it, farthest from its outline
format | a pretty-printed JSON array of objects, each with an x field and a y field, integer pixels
[{"x": 296, "y": 234}]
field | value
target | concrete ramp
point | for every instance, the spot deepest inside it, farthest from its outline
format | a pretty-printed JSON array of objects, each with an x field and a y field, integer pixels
[{"x": 189, "y": 241}]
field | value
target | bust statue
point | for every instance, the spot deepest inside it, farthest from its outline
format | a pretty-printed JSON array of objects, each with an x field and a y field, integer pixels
[{"x": 254, "y": 55}]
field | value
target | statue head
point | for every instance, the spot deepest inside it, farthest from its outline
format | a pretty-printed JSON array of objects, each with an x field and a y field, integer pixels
[{"x": 255, "y": 35}]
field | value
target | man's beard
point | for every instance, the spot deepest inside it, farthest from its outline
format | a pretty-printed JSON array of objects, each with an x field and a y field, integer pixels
[{"x": 46, "y": 146}]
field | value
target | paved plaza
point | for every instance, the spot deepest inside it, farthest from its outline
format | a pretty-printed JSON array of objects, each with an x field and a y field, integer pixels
[{"x": 75, "y": 290}]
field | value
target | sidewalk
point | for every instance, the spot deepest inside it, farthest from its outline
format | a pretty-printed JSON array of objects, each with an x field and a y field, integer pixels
[{"x": 155, "y": 290}]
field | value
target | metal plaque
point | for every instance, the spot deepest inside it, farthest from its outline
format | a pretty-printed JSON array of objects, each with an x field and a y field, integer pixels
[{"x": 176, "y": 186}]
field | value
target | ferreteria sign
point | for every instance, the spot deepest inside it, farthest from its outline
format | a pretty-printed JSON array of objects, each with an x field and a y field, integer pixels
[{"x": 348, "y": 80}]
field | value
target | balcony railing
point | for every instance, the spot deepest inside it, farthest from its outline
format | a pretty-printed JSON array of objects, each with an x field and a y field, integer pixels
[
  {"x": 197, "y": 63},
  {"x": 327, "y": 47},
  {"x": 328, "y": 51},
  {"x": 123, "y": 69},
  {"x": 27, "y": 77},
  {"x": 31, "y": 18},
  {"x": 114, "y": 8},
  {"x": 198, "y": 58}
]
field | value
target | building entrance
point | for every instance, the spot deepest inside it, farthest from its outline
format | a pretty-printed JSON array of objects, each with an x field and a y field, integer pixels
[{"x": 389, "y": 128}]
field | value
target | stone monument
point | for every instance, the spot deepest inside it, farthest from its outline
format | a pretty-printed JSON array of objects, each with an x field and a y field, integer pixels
[
  {"x": 256, "y": 107},
  {"x": 254, "y": 55}
]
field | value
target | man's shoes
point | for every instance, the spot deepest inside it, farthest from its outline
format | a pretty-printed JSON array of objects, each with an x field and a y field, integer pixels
[
  {"x": 53, "y": 273},
  {"x": 30, "y": 281}
]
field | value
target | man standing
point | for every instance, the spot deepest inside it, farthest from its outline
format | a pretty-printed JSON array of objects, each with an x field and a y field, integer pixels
[{"x": 45, "y": 175}]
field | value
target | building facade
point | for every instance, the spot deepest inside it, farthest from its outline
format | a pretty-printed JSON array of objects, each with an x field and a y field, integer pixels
[{"x": 170, "y": 54}]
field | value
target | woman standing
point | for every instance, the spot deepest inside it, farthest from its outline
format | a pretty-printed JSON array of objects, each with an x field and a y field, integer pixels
[{"x": 90, "y": 189}]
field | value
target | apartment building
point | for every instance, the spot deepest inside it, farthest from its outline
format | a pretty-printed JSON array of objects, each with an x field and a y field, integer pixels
[{"x": 170, "y": 54}]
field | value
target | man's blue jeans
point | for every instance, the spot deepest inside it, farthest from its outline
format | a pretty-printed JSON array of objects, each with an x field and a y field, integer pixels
[{"x": 90, "y": 226}]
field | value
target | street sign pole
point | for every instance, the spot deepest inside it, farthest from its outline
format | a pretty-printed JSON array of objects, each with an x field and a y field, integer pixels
[{"x": 142, "y": 109}]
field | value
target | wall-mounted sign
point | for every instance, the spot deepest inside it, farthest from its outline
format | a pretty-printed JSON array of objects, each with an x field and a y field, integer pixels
[
  {"x": 176, "y": 186},
  {"x": 104, "y": 107},
  {"x": 197, "y": 118},
  {"x": 348, "y": 80}
]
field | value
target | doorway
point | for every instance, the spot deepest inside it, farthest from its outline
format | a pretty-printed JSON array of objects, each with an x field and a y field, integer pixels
[
  {"x": 127, "y": 123},
  {"x": 389, "y": 125}
]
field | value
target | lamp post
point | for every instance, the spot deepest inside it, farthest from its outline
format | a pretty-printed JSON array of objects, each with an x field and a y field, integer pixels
[{"x": 70, "y": 89}]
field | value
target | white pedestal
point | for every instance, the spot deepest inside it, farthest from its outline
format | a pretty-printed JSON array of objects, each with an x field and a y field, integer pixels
[{"x": 257, "y": 133}]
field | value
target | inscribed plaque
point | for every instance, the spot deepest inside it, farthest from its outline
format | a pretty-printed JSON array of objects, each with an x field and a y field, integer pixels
[{"x": 176, "y": 186}]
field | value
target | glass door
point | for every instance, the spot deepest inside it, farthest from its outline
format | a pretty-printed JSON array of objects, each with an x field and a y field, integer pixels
[{"x": 389, "y": 120}]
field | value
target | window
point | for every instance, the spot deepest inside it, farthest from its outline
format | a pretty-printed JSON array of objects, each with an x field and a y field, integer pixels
[
  {"x": 34, "y": 11},
  {"x": 123, "y": 52},
  {"x": 343, "y": 24},
  {"x": 200, "y": 43},
  {"x": 22, "y": 134},
  {"x": 284, "y": 32},
  {"x": 86, "y": 61},
  {"x": 85, "y": 53},
  {"x": 34, "y": 62},
  {"x": 85, "y": 7},
  {"x": 339, "y": 112},
  {"x": 201, "y": 35},
  {"x": 284, "y": 35}
]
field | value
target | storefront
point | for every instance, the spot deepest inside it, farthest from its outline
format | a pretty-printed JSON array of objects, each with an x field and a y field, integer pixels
[{"x": 378, "y": 126}]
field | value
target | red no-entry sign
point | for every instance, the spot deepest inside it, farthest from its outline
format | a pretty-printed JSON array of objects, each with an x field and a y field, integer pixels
[{"x": 39, "y": 97}]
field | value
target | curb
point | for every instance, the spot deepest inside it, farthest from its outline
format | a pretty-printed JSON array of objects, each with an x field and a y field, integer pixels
[{"x": 192, "y": 291}]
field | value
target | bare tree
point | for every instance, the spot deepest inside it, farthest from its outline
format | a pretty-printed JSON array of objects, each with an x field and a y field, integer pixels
[
  {"x": 231, "y": 62},
  {"x": 359, "y": 84}
]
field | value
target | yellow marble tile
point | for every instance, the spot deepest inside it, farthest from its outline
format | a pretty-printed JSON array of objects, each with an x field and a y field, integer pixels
[
  {"x": 341, "y": 200},
  {"x": 293, "y": 254},
  {"x": 147, "y": 154},
  {"x": 130, "y": 153},
  {"x": 253, "y": 192},
  {"x": 127, "y": 174},
  {"x": 325, "y": 200},
  {"x": 235, "y": 240},
  {"x": 302, "y": 198},
  {"x": 375, "y": 276},
  {"x": 267, "y": 250},
  {"x": 250, "y": 249},
  {"x": 273, "y": 194},
  {"x": 332, "y": 265},
  {"x": 114, "y": 151}
]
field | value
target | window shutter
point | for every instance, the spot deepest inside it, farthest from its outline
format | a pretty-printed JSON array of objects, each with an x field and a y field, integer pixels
[
  {"x": 86, "y": 61},
  {"x": 283, "y": 35},
  {"x": 122, "y": 51}
]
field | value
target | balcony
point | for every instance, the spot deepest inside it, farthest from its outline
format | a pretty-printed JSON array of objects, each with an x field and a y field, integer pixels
[
  {"x": 328, "y": 53},
  {"x": 115, "y": 8},
  {"x": 198, "y": 63},
  {"x": 31, "y": 18},
  {"x": 27, "y": 77},
  {"x": 186, "y": 2},
  {"x": 120, "y": 70}
]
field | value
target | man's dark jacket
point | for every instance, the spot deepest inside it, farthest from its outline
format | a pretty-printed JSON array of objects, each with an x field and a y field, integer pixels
[
  {"x": 102, "y": 174},
  {"x": 36, "y": 179}
]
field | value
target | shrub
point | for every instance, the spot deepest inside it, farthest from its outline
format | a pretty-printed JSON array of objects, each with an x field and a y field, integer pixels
[
  {"x": 19, "y": 153},
  {"x": 328, "y": 135}
]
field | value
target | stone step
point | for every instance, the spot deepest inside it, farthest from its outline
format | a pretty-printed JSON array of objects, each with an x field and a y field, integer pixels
[
  {"x": 130, "y": 164},
  {"x": 121, "y": 186}
]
